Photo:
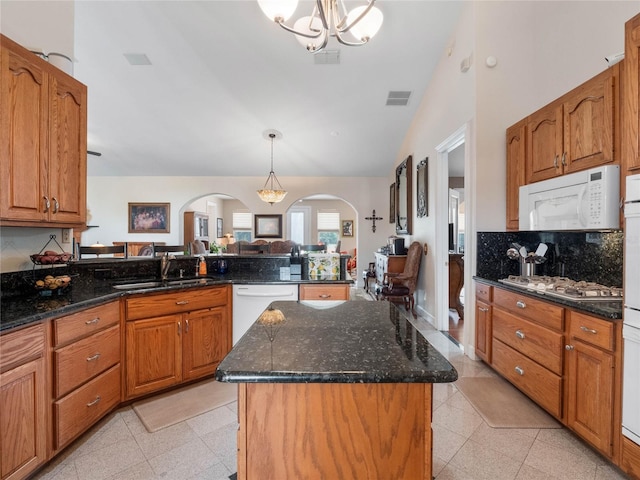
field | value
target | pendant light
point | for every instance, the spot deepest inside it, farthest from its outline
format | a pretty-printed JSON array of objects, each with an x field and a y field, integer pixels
[{"x": 268, "y": 193}]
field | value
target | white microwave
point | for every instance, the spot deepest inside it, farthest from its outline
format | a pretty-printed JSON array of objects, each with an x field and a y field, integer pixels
[{"x": 587, "y": 200}]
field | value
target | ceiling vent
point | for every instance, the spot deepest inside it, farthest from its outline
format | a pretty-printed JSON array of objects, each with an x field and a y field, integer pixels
[
  {"x": 398, "y": 98},
  {"x": 327, "y": 57},
  {"x": 137, "y": 58}
]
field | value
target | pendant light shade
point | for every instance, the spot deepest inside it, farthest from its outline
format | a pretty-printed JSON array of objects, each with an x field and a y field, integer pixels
[{"x": 269, "y": 193}]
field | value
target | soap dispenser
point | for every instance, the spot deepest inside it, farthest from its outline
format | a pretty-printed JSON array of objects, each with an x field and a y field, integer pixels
[{"x": 202, "y": 269}]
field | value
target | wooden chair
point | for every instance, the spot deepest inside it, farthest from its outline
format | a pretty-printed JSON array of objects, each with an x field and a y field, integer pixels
[
  {"x": 184, "y": 249},
  {"x": 401, "y": 286},
  {"x": 282, "y": 246},
  {"x": 115, "y": 250}
]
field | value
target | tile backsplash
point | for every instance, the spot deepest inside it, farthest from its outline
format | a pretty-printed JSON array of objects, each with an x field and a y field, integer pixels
[{"x": 595, "y": 256}]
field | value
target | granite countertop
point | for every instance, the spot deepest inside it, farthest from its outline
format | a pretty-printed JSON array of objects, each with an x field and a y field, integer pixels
[
  {"x": 22, "y": 310},
  {"x": 335, "y": 342},
  {"x": 601, "y": 308}
]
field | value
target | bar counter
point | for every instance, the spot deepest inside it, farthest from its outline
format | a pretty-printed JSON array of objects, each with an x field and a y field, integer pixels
[{"x": 334, "y": 390}]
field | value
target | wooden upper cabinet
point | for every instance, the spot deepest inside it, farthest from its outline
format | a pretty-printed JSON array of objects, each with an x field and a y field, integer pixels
[
  {"x": 631, "y": 101},
  {"x": 516, "y": 155},
  {"x": 576, "y": 131},
  {"x": 544, "y": 143},
  {"x": 43, "y": 141},
  {"x": 589, "y": 122}
]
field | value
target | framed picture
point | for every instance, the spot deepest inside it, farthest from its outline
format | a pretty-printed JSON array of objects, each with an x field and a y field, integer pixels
[
  {"x": 219, "y": 228},
  {"x": 423, "y": 188},
  {"x": 347, "y": 228},
  {"x": 149, "y": 217},
  {"x": 267, "y": 226},
  {"x": 392, "y": 203}
]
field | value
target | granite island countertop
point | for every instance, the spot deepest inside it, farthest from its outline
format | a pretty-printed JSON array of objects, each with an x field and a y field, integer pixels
[{"x": 335, "y": 342}]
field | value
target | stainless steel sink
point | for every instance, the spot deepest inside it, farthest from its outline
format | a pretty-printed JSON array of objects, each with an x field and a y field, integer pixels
[{"x": 157, "y": 284}]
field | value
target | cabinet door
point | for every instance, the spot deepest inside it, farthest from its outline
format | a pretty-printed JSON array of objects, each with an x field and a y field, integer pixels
[
  {"x": 205, "y": 342},
  {"x": 484, "y": 331},
  {"x": 516, "y": 165},
  {"x": 590, "y": 375},
  {"x": 68, "y": 150},
  {"x": 631, "y": 105},
  {"x": 589, "y": 123},
  {"x": 544, "y": 143},
  {"x": 23, "y": 148},
  {"x": 153, "y": 354},
  {"x": 22, "y": 420}
]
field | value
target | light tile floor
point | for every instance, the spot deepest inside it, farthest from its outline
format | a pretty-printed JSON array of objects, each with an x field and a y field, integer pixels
[{"x": 204, "y": 447}]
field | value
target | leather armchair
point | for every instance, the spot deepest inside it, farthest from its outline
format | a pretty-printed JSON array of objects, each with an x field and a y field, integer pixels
[{"x": 401, "y": 286}]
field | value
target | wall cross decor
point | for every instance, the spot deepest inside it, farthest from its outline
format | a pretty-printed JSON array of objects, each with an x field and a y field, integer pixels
[{"x": 374, "y": 218}]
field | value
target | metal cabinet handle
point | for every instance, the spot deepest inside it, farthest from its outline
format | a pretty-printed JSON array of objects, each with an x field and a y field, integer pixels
[
  {"x": 47, "y": 203},
  {"x": 520, "y": 334},
  {"x": 569, "y": 347},
  {"x": 564, "y": 159},
  {"x": 94, "y": 402},
  {"x": 588, "y": 330},
  {"x": 179, "y": 328},
  {"x": 186, "y": 326},
  {"x": 93, "y": 357},
  {"x": 92, "y": 321},
  {"x": 521, "y": 304},
  {"x": 182, "y": 302},
  {"x": 483, "y": 309},
  {"x": 519, "y": 371},
  {"x": 324, "y": 295},
  {"x": 56, "y": 204},
  {"x": 555, "y": 161}
]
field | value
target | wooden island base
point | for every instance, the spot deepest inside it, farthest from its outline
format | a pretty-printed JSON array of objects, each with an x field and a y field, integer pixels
[{"x": 334, "y": 430}]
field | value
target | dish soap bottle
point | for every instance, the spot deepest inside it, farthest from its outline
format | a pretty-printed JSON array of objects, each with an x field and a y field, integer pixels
[{"x": 202, "y": 269}]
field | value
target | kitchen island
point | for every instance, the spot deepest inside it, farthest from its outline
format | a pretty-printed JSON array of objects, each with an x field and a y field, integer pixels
[{"x": 334, "y": 390}]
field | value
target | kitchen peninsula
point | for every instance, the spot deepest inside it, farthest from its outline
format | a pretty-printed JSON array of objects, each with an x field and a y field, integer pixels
[{"x": 334, "y": 390}]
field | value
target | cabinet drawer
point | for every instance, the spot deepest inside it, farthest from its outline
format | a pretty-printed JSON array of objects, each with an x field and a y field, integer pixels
[
  {"x": 78, "y": 362},
  {"x": 542, "y": 345},
  {"x": 484, "y": 292},
  {"x": 21, "y": 345},
  {"x": 596, "y": 332},
  {"x": 83, "y": 407},
  {"x": 175, "y": 302},
  {"x": 324, "y": 292},
  {"x": 530, "y": 308},
  {"x": 72, "y": 327},
  {"x": 541, "y": 385}
]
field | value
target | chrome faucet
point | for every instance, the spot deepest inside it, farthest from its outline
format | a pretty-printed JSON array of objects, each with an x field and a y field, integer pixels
[{"x": 165, "y": 262}]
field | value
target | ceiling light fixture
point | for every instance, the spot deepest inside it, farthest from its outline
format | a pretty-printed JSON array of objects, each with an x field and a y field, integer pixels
[
  {"x": 328, "y": 18},
  {"x": 272, "y": 195}
]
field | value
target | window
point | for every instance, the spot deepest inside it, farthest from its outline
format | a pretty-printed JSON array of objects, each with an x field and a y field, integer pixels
[
  {"x": 242, "y": 225},
  {"x": 329, "y": 229}
]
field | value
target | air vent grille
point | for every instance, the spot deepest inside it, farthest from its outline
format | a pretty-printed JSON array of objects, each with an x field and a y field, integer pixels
[
  {"x": 327, "y": 57},
  {"x": 398, "y": 98}
]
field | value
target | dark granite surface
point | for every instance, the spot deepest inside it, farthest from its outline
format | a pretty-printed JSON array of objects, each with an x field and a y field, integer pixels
[
  {"x": 92, "y": 284},
  {"x": 599, "y": 308},
  {"x": 350, "y": 342}
]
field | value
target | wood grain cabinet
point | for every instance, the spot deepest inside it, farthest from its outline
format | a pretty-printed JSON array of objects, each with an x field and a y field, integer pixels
[
  {"x": 516, "y": 165},
  {"x": 484, "y": 324},
  {"x": 43, "y": 142},
  {"x": 631, "y": 98},
  {"x": 591, "y": 369},
  {"x": 86, "y": 367},
  {"x": 575, "y": 132},
  {"x": 324, "y": 292},
  {"x": 175, "y": 337},
  {"x": 23, "y": 402}
]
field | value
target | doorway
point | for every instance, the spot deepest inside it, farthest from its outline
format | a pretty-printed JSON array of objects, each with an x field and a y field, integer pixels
[{"x": 456, "y": 242}]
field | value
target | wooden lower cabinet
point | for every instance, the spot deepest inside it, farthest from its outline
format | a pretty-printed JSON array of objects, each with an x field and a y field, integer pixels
[
  {"x": 566, "y": 361},
  {"x": 174, "y": 344},
  {"x": 324, "y": 292},
  {"x": 590, "y": 374},
  {"x": 23, "y": 402},
  {"x": 484, "y": 330}
]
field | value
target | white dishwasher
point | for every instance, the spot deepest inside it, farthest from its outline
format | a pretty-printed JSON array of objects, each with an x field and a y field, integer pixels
[{"x": 249, "y": 301}]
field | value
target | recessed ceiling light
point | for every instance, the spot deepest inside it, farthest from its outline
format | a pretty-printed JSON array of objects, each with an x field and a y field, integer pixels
[{"x": 137, "y": 58}]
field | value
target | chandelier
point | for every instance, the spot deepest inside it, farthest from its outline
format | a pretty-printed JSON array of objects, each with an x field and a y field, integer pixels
[
  {"x": 272, "y": 195},
  {"x": 329, "y": 18}
]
